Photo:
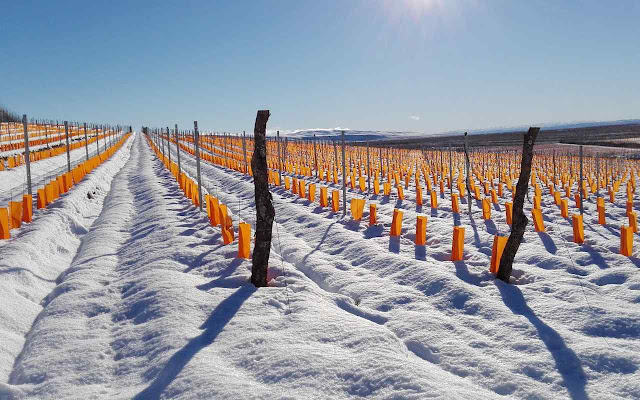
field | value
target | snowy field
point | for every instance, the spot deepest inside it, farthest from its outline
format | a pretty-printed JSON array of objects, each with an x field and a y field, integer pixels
[
  {"x": 13, "y": 182},
  {"x": 131, "y": 294}
]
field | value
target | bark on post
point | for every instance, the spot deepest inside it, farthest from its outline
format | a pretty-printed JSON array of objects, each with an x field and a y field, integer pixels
[
  {"x": 580, "y": 185},
  {"x": 169, "y": 144},
  {"x": 196, "y": 140},
  {"x": 97, "y": 141},
  {"x": 344, "y": 180},
  {"x": 86, "y": 141},
  {"x": 66, "y": 131},
  {"x": 315, "y": 155},
  {"x": 450, "y": 171},
  {"x": 468, "y": 168},
  {"x": 265, "y": 212},
  {"x": 178, "y": 148},
  {"x": 27, "y": 153},
  {"x": 368, "y": 171},
  {"x": 279, "y": 157},
  {"x": 244, "y": 151},
  {"x": 520, "y": 220}
]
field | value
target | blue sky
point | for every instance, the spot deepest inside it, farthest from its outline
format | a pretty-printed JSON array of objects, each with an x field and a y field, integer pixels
[{"x": 415, "y": 65}]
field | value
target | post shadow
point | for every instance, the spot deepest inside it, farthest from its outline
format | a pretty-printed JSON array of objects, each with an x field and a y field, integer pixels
[
  {"x": 567, "y": 362},
  {"x": 420, "y": 252},
  {"x": 394, "y": 244},
  {"x": 212, "y": 328}
]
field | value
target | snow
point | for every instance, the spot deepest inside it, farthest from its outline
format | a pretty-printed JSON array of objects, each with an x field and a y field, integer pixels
[
  {"x": 363, "y": 135},
  {"x": 13, "y": 182},
  {"x": 132, "y": 294}
]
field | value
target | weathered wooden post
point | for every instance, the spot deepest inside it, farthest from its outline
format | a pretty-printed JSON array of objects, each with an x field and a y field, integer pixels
[
  {"x": 244, "y": 151},
  {"x": 196, "y": 138},
  {"x": 597, "y": 175},
  {"x": 335, "y": 159},
  {"x": 450, "y": 171},
  {"x": 159, "y": 138},
  {"x": 169, "y": 144},
  {"x": 380, "y": 157},
  {"x": 265, "y": 212},
  {"x": 315, "y": 156},
  {"x": 66, "y": 131},
  {"x": 224, "y": 148},
  {"x": 368, "y": 170},
  {"x": 344, "y": 180},
  {"x": 97, "y": 141},
  {"x": 279, "y": 157},
  {"x": 554, "y": 169},
  {"x": 86, "y": 141},
  {"x": 178, "y": 148},
  {"x": 468, "y": 168},
  {"x": 27, "y": 153},
  {"x": 519, "y": 219},
  {"x": 580, "y": 184}
]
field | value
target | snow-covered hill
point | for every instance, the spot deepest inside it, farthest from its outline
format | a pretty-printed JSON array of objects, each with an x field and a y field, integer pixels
[{"x": 364, "y": 135}]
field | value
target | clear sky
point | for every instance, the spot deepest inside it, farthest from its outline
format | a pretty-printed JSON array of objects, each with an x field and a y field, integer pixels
[{"x": 415, "y": 65}]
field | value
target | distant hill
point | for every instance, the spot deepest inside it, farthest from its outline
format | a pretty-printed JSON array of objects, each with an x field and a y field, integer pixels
[{"x": 366, "y": 135}]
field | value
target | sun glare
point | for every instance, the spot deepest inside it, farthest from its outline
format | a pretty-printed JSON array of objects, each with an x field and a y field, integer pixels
[{"x": 414, "y": 8}]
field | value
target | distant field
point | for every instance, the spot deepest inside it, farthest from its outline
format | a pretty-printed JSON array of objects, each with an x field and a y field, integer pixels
[{"x": 626, "y": 136}]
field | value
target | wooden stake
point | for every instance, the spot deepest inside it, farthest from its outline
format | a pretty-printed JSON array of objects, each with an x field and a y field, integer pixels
[
  {"x": 265, "y": 212},
  {"x": 520, "y": 220}
]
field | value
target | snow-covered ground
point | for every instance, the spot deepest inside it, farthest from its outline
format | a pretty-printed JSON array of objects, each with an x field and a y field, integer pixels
[{"x": 133, "y": 294}]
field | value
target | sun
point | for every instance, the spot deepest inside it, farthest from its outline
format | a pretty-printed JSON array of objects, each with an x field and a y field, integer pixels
[
  {"x": 415, "y": 8},
  {"x": 431, "y": 16},
  {"x": 423, "y": 6}
]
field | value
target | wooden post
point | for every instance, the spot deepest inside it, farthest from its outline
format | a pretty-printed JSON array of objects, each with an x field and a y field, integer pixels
[
  {"x": 344, "y": 180},
  {"x": 265, "y": 212},
  {"x": 86, "y": 141},
  {"x": 597, "y": 175},
  {"x": 279, "y": 156},
  {"x": 315, "y": 155},
  {"x": 66, "y": 131},
  {"x": 554, "y": 168},
  {"x": 450, "y": 171},
  {"x": 244, "y": 150},
  {"x": 46, "y": 133},
  {"x": 285, "y": 151},
  {"x": 97, "y": 141},
  {"x": 159, "y": 137},
  {"x": 468, "y": 168},
  {"x": 335, "y": 157},
  {"x": 196, "y": 138},
  {"x": 27, "y": 153},
  {"x": 380, "y": 157},
  {"x": 519, "y": 219},
  {"x": 169, "y": 144},
  {"x": 178, "y": 148},
  {"x": 368, "y": 170},
  {"x": 224, "y": 147},
  {"x": 580, "y": 184}
]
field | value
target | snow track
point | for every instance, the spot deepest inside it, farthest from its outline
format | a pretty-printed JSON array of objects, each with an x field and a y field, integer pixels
[{"x": 34, "y": 259}]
